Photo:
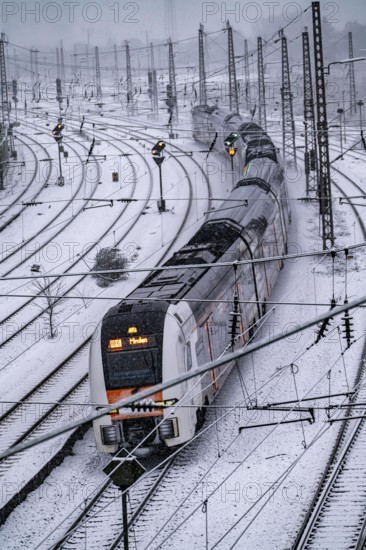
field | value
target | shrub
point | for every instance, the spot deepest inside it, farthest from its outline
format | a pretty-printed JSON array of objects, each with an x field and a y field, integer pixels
[{"x": 109, "y": 258}]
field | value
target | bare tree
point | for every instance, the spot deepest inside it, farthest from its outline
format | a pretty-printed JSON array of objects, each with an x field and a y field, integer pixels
[
  {"x": 80, "y": 293},
  {"x": 51, "y": 292}
]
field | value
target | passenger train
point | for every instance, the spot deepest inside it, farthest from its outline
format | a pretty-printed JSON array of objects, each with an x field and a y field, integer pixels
[
  {"x": 181, "y": 317},
  {"x": 214, "y": 125}
]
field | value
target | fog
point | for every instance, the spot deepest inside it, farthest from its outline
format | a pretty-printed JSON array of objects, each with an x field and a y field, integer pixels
[{"x": 44, "y": 23}]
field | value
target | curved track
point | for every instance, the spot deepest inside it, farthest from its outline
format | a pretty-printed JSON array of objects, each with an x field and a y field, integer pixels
[
  {"x": 28, "y": 188},
  {"x": 338, "y": 510},
  {"x": 50, "y": 381}
]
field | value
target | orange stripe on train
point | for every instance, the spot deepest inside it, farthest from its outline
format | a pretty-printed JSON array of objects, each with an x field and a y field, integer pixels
[{"x": 114, "y": 396}]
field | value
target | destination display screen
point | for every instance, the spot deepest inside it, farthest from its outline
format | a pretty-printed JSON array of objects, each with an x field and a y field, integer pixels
[{"x": 131, "y": 342}]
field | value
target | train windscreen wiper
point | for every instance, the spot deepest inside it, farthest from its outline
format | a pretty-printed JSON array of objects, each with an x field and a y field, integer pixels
[{"x": 151, "y": 368}]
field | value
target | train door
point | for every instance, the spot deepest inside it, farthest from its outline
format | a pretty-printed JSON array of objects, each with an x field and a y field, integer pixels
[
  {"x": 209, "y": 333},
  {"x": 193, "y": 389}
]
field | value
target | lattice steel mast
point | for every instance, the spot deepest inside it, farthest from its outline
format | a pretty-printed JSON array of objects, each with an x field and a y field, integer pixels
[
  {"x": 172, "y": 87},
  {"x": 62, "y": 59},
  {"x": 309, "y": 121},
  {"x": 233, "y": 89},
  {"x": 246, "y": 74},
  {"x": 75, "y": 65},
  {"x": 38, "y": 83},
  {"x": 170, "y": 20},
  {"x": 262, "y": 119},
  {"x": 352, "y": 83},
  {"x": 5, "y": 105},
  {"x": 202, "y": 72},
  {"x": 129, "y": 79},
  {"x": 288, "y": 123},
  {"x": 32, "y": 75},
  {"x": 97, "y": 76},
  {"x": 5, "y": 113},
  {"x": 58, "y": 73},
  {"x": 154, "y": 82},
  {"x": 325, "y": 197},
  {"x": 116, "y": 70}
]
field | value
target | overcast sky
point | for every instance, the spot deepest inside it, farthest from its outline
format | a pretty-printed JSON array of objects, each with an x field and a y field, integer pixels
[{"x": 44, "y": 23}]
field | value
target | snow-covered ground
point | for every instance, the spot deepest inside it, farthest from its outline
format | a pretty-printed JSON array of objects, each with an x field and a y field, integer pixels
[{"x": 238, "y": 474}]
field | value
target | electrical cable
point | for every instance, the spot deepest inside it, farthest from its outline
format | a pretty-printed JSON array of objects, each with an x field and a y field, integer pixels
[{"x": 193, "y": 266}]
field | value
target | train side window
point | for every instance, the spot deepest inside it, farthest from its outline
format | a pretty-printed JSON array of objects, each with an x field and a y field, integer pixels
[{"x": 188, "y": 356}]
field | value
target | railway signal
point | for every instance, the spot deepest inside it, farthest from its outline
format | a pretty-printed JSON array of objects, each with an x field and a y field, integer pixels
[
  {"x": 56, "y": 132},
  {"x": 158, "y": 158},
  {"x": 158, "y": 148},
  {"x": 57, "y": 136},
  {"x": 231, "y": 139},
  {"x": 229, "y": 142},
  {"x": 124, "y": 470}
]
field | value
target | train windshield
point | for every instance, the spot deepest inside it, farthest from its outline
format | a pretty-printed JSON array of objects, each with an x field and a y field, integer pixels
[{"x": 132, "y": 368}]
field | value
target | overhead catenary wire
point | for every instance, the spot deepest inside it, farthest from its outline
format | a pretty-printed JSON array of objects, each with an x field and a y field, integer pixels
[
  {"x": 189, "y": 300},
  {"x": 180, "y": 199},
  {"x": 213, "y": 73},
  {"x": 272, "y": 407},
  {"x": 228, "y": 476},
  {"x": 184, "y": 377},
  {"x": 198, "y": 435},
  {"x": 283, "y": 370},
  {"x": 174, "y": 454},
  {"x": 193, "y": 266},
  {"x": 275, "y": 486}
]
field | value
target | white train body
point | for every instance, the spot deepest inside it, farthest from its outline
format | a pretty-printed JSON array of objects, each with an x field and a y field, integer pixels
[{"x": 178, "y": 319}]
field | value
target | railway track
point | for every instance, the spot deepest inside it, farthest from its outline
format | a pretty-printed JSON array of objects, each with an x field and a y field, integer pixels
[
  {"x": 174, "y": 511},
  {"x": 24, "y": 322},
  {"x": 24, "y": 245},
  {"x": 31, "y": 429},
  {"x": 29, "y": 188},
  {"x": 14, "y": 429},
  {"x": 51, "y": 401},
  {"x": 104, "y": 509},
  {"x": 338, "y": 510},
  {"x": 337, "y": 513}
]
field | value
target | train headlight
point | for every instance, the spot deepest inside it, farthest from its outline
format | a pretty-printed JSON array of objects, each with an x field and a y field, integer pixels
[
  {"x": 110, "y": 435},
  {"x": 169, "y": 428}
]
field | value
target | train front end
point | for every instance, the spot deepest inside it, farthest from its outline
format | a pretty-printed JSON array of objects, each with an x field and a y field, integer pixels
[{"x": 126, "y": 358}]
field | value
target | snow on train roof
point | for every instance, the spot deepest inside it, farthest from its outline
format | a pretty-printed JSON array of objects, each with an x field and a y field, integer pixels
[{"x": 245, "y": 212}]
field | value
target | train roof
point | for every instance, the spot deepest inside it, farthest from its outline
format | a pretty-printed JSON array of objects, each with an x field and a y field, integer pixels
[
  {"x": 265, "y": 170},
  {"x": 247, "y": 218},
  {"x": 213, "y": 111},
  {"x": 204, "y": 109},
  {"x": 249, "y": 127}
]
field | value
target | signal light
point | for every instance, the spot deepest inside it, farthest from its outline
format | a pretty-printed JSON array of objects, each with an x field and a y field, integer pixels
[
  {"x": 58, "y": 128},
  {"x": 230, "y": 140},
  {"x": 158, "y": 148},
  {"x": 56, "y": 132},
  {"x": 232, "y": 151}
]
